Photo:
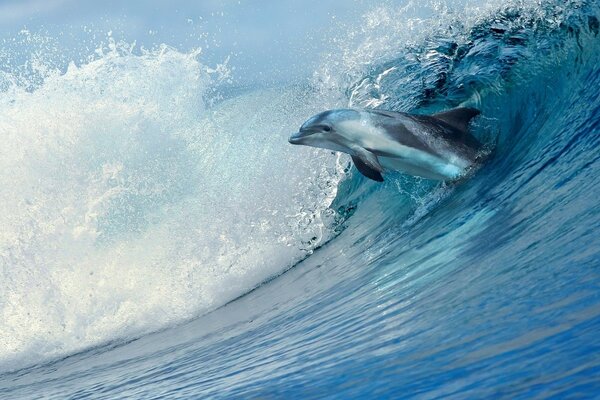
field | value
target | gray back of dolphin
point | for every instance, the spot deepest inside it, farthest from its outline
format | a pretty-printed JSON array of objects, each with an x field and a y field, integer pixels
[{"x": 452, "y": 126}]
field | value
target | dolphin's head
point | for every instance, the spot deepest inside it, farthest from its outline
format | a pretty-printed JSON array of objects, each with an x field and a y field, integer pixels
[{"x": 324, "y": 130}]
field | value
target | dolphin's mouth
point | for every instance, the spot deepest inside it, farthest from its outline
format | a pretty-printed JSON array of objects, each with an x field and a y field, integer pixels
[{"x": 298, "y": 137}]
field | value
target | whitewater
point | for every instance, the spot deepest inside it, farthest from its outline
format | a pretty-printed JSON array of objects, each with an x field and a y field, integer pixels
[{"x": 161, "y": 239}]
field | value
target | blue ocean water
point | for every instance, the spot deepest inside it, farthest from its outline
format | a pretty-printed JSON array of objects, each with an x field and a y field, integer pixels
[{"x": 161, "y": 239}]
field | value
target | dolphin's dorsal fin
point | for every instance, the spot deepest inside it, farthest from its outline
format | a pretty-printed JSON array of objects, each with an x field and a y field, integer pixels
[{"x": 458, "y": 118}]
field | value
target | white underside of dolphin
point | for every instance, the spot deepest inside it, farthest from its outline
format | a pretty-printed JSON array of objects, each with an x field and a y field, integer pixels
[{"x": 435, "y": 147}]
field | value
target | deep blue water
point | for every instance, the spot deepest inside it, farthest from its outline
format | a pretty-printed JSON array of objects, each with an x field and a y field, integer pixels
[{"x": 160, "y": 238}]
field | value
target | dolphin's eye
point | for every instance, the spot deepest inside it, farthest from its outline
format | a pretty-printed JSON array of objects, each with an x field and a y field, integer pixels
[{"x": 326, "y": 128}]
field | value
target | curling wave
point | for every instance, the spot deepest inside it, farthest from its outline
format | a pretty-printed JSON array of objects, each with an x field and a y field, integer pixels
[{"x": 135, "y": 198}]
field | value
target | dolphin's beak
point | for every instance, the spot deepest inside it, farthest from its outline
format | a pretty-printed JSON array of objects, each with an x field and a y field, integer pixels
[{"x": 298, "y": 137}]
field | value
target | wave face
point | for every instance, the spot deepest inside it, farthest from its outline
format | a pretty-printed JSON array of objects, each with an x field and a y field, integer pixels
[{"x": 141, "y": 194}]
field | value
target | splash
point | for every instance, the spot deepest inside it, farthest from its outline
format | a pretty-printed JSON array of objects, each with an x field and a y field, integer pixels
[{"x": 133, "y": 197}]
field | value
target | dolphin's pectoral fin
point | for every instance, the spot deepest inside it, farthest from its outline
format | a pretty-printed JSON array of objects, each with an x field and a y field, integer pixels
[{"x": 368, "y": 168}]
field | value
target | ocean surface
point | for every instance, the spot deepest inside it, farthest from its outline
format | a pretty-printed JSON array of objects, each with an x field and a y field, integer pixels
[{"x": 159, "y": 237}]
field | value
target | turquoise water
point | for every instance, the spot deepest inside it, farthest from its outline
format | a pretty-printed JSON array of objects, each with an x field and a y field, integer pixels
[{"x": 161, "y": 239}]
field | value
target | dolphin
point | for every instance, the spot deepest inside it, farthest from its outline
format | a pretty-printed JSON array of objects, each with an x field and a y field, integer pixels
[{"x": 437, "y": 146}]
